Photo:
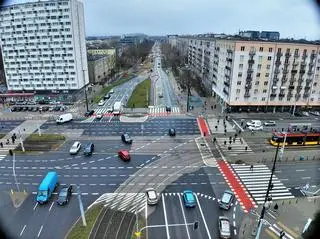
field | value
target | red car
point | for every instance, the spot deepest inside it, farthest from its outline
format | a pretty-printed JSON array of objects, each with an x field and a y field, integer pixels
[{"x": 124, "y": 155}]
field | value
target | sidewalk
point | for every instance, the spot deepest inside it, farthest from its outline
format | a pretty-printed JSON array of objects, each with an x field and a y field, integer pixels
[{"x": 22, "y": 131}]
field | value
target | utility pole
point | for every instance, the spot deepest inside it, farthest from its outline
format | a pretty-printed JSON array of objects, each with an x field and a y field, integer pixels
[
  {"x": 81, "y": 207},
  {"x": 267, "y": 199},
  {"x": 13, "y": 168}
]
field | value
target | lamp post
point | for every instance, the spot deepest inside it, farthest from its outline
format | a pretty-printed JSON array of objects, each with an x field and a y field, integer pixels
[
  {"x": 85, "y": 89},
  {"x": 266, "y": 199}
]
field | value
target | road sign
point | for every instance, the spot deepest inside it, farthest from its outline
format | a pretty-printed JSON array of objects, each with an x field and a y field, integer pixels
[{"x": 137, "y": 234}]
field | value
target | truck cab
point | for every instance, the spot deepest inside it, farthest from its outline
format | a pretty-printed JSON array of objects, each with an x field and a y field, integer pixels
[{"x": 47, "y": 187}]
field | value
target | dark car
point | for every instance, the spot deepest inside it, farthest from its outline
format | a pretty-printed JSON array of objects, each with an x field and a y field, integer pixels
[
  {"x": 64, "y": 195},
  {"x": 13, "y": 109},
  {"x": 172, "y": 132},
  {"x": 168, "y": 108},
  {"x": 107, "y": 96},
  {"x": 89, "y": 113},
  {"x": 45, "y": 108},
  {"x": 19, "y": 108},
  {"x": 25, "y": 108},
  {"x": 30, "y": 108},
  {"x": 56, "y": 108},
  {"x": 88, "y": 149},
  {"x": 126, "y": 139},
  {"x": 35, "y": 109}
]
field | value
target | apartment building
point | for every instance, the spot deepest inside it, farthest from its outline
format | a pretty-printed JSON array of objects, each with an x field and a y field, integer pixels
[
  {"x": 43, "y": 46},
  {"x": 258, "y": 75}
]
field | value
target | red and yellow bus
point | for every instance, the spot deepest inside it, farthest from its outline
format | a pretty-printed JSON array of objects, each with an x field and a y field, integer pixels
[{"x": 295, "y": 138}]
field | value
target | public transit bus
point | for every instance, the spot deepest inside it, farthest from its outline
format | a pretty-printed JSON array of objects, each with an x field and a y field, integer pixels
[{"x": 297, "y": 138}]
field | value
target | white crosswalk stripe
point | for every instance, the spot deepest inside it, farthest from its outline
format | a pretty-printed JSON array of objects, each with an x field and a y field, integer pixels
[
  {"x": 131, "y": 202},
  {"x": 2, "y": 157},
  {"x": 206, "y": 152},
  {"x": 159, "y": 111},
  {"x": 237, "y": 147},
  {"x": 256, "y": 181}
]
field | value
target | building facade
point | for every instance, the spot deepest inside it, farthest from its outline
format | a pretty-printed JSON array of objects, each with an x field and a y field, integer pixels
[
  {"x": 43, "y": 46},
  {"x": 257, "y": 75}
]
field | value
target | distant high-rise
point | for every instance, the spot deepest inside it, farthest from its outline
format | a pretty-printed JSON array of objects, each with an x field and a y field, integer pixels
[{"x": 43, "y": 46}]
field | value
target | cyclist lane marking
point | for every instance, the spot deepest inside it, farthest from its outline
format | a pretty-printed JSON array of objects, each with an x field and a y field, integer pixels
[
  {"x": 203, "y": 126},
  {"x": 234, "y": 183}
]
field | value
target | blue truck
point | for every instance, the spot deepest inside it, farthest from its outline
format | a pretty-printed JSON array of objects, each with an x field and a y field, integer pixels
[{"x": 47, "y": 187}]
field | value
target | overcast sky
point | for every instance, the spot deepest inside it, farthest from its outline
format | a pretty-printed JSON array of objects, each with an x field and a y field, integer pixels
[{"x": 292, "y": 18}]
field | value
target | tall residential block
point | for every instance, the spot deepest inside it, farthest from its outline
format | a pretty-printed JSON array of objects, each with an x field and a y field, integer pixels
[{"x": 43, "y": 46}]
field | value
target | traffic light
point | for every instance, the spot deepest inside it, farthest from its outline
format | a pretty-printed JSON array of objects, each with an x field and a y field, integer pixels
[
  {"x": 195, "y": 225},
  {"x": 11, "y": 152}
]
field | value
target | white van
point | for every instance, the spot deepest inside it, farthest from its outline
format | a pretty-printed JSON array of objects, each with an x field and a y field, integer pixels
[
  {"x": 64, "y": 118},
  {"x": 254, "y": 123}
]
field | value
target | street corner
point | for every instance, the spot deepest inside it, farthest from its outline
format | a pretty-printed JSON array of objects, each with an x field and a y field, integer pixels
[{"x": 18, "y": 198}]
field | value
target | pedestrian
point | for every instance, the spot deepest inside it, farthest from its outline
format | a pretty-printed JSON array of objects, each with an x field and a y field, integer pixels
[
  {"x": 230, "y": 141},
  {"x": 215, "y": 106},
  {"x": 252, "y": 132},
  {"x": 14, "y": 135},
  {"x": 218, "y": 121},
  {"x": 212, "y": 107},
  {"x": 251, "y": 167},
  {"x": 234, "y": 140},
  {"x": 216, "y": 128},
  {"x": 1, "y": 144},
  {"x": 225, "y": 142},
  {"x": 214, "y": 139},
  {"x": 8, "y": 142},
  {"x": 246, "y": 148},
  {"x": 235, "y": 135},
  {"x": 13, "y": 139}
]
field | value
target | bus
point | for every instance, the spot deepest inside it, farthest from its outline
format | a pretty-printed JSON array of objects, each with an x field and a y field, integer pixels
[{"x": 297, "y": 138}]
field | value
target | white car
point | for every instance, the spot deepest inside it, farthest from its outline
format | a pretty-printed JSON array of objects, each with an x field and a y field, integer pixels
[
  {"x": 224, "y": 227},
  {"x": 109, "y": 109},
  {"x": 75, "y": 147},
  {"x": 111, "y": 91},
  {"x": 255, "y": 127},
  {"x": 101, "y": 103},
  {"x": 152, "y": 196},
  {"x": 99, "y": 116}
]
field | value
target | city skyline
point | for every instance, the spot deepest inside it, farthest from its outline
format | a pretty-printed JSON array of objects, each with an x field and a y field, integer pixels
[{"x": 290, "y": 17}]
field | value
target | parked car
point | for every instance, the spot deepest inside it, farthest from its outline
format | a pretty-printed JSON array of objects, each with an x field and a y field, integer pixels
[
  {"x": 75, "y": 148},
  {"x": 189, "y": 199},
  {"x": 107, "y": 96},
  {"x": 126, "y": 138},
  {"x": 45, "y": 108},
  {"x": 13, "y": 109},
  {"x": 172, "y": 132},
  {"x": 64, "y": 195},
  {"x": 316, "y": 113},
  {"x": 89, "y": 113},
  {"x": 124, "y": 155},
  {"x": 25, "y": 108},
  {"x": 224, "y": 227},
  {"x": 99, "y": 116},
  {"x": 305, "y": 113},
  {"x": 226, "y": 200},
  {"x": 88, "y": 149},
  {"x": 270, "y": 123},
  {"x": 30, "y": 108},
  {"x": 255, "y": 128},
  {"x": 152, "y": 196},
  {"x": 35, "y": 109},
  {"x": 298, "y": 114},
  {"x": 101, "y": 103}
]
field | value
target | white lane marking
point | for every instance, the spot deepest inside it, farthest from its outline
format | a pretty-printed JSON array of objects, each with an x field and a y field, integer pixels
[
  {"x": 165, "y": 216},
  {"x": 184, "y": 216},
  {"x": 110, "y": 118},
  {"x": 204, "y": 220},
  {"x": 300, "y": 170},
  {"x": 40, "y": 231},
  {"x": 51, "y": 206},
  {"x": 24, "y": 227},
  {"x": 306, "y": 177},
  {"x": 146, "y": 216},
  {"x": 34, "y": 208}
]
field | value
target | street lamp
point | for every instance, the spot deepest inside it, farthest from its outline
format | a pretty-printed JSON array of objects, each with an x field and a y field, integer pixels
[
  {"x": 267, "y": 198},
  {"x": 85, "y": 89},
  {"x": 13, "y": 168}
]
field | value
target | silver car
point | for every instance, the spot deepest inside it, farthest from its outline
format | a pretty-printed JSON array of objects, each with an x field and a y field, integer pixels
[
  {"x": 226, "y": 200},
  {"x": 152, "y": 196},
  {"x": 75, "y": 147},
  {"x": 224, "y": 227}
]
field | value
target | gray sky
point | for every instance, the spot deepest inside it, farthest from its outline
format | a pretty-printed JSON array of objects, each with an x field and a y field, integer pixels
[{"x": 292, "y": 18}]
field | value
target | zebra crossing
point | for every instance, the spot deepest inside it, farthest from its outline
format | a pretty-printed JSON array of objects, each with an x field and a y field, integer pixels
[
  {"x": 2, "y": 157},
  {"x": 239, "y": 146},
  {"x": 256, "y": 181},
  {"x": 161, "y": 111},
  {"x": 205, "y": 152},
  {"x": 102, "y": 110}
]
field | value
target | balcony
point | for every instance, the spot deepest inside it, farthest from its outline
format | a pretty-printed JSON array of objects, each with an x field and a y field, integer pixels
[
  {"x": 227, "y": 76},
  {"x": 229, "y": 51},
  {"x": 302, "y": 72},
  {"x": 276, "y": 71},
  {"x": 307, "y": 88},
  {"x": 279, "y": 54},
  {"x": 303, "y": 64},
  {"x": 299, "y": 88},
  {"x": 311, "y": 64},
  {"x": 285, "y": 71},
  {"x": 295, "y": 63},
  {"x": 273, "y": 95},
  {"x": 306, "y": 95},
  {"x": 286, "y": 63},
  {"x": 252, "y": 52},
  {"x": 310, "y": 73},
  {"x": 281, "y": 95},
  {"x": 249, "y": 78},
  {"x": 226, "y": 83},
  {"x": 296, "y": 55},
  {"x": 251, "y": 62},
  {"x": 284, "y": 80},
  {"x": 304, "y": 56},
  {"x": 248, "y": 86},
  {"x": 294, "y": 71},
  {"x": 229, "y": 59},
  {"x": 312, "y": 56},
  {"x": 288, "y": 54},
  {"x": 308, "y": 80},
  {"x": 278, "y": 62},
  {"x": 291, "y": 87},
  {"x": 249, "y": 71},
  {"x": 246, "y": 95},
  {"x": 225, "y": 91},
  {"x": 275, "y": 79},
  {"x": 228, "y": 68}
]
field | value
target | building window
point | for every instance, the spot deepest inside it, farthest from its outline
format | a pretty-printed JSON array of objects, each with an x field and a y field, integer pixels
[
  {"x": 265, "y": 83},
  {"x": 267, "y": 74},
  {"x": 263, "y": 99},
  {"x": 260, "y": 59},
  {"x": 264, "y": 91},
  {"x": 242, "y": 48},
  {"x": 268, "y": 67},
  {"x": 240, "y": 74},
  {"x": 261, "y": 49},
  {"x": 257, "y": 83},
  {"x": 258, "y": 74},
  {"x": 238, "y": 82},
  {"x": 269, "y": 58},
  {"x": 270, "y": 49},
  {"x": 238, "y": 91},
  {"x": 259, "y": 66},
  {"x": 241, "y": 58},
  {"x": 240, "y": 66},
  {"x": 256, "y": 91}
]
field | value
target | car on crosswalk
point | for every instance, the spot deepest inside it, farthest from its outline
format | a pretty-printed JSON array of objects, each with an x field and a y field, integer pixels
[
  {"x": 126, "y": 138},
  {"x": 226, "y": 200},
  {"x": 269, "y": 123},
  {"x": 152, "y": 196},
  {"x": 99, "y": 116},
  {"x": 189, "y": 199},
  {"x": 255, "y": 128},
  {"x": 101, "y": 103},
  {"x": 172, "y": 132}
]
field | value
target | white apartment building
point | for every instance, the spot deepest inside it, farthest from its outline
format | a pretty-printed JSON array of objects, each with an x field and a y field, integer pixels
[
  {"x": 258, "y": 75},
  {"x": 43, "y": 46}
]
